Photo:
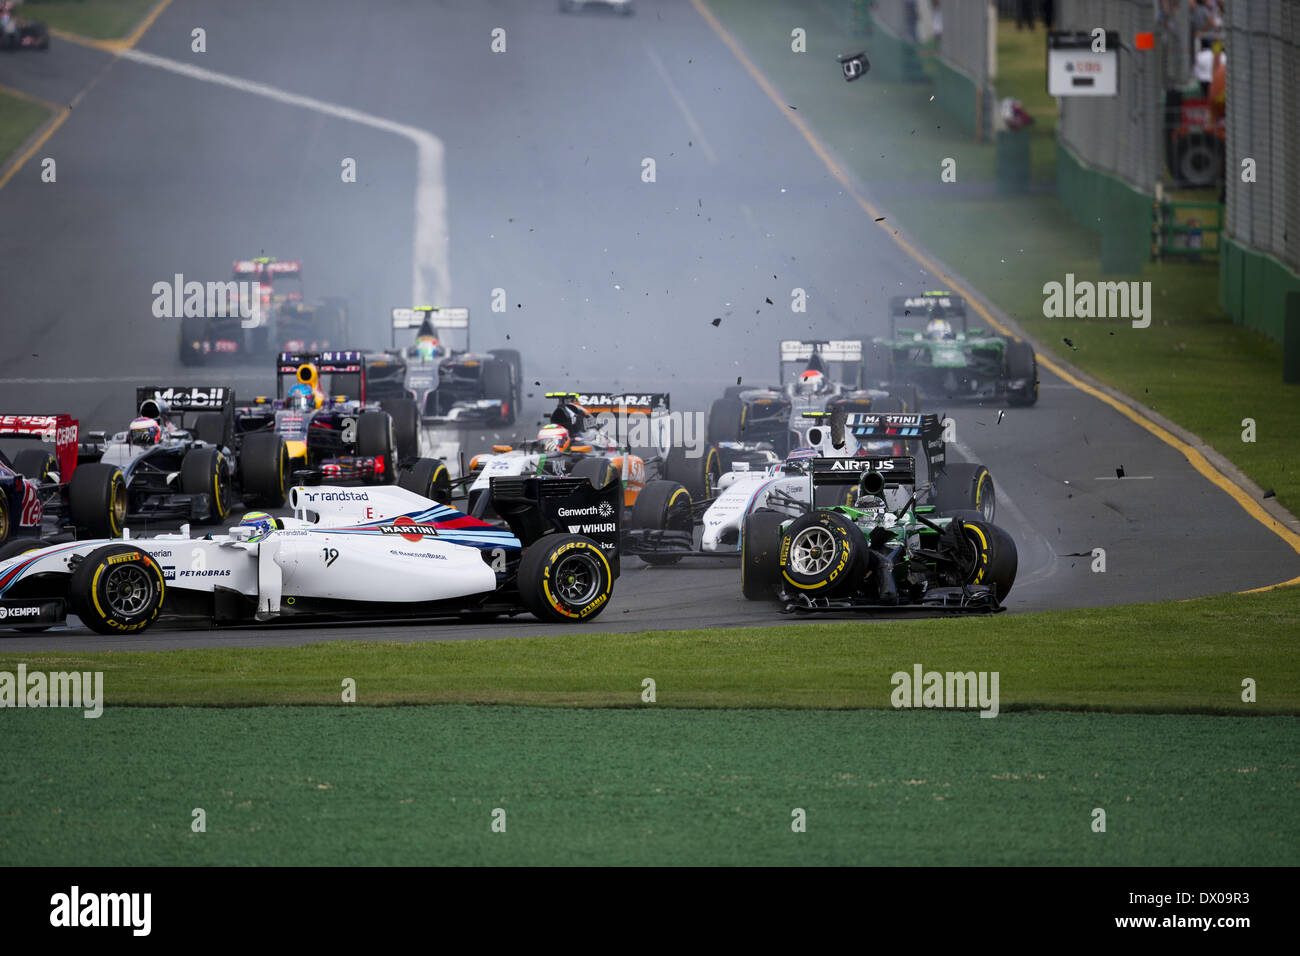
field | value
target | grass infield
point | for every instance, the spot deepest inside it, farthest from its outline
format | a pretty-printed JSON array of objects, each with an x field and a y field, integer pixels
[
  {"x": 19, "y": 119},
  {"x": 1179, "y": 657},
  {"x": 418, "y": 786},
  {"x": 95, "y": 19}
]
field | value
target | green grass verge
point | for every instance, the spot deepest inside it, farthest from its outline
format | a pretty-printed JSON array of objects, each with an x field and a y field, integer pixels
[
  {"x": 19, "y": 119},
  {"x": 1192, "y": 364},
  {"x": 417, "y": 786},
  {"x": 97, "y": 19},
  {"x": 1186, "y": 657}
]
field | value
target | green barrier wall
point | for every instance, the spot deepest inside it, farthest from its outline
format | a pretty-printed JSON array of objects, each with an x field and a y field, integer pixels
[
  {"x": 1253, "y": 288},
  {"x": 1120, "y": 214}
]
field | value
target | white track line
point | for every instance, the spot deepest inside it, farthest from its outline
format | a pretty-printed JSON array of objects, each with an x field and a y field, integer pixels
[
  {"x": 682, "y": 108},
  {"x": 431, "y": 271}
]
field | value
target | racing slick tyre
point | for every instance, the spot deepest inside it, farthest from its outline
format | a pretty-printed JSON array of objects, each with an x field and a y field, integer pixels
[
  {"x": 1198, "y": 160},
  {"x": 992, "y": 560},
  {"x": 497, "y": 385},
  {"x": 36, "y": 463},
  {"x": 264, "y": 469},
  {"x": 890, "y": 404},
  {"x": 12, "y": 549},
  {"x": 375, "y": 440},
  {"x": 117, "y": 589},
  {"x": 210, "y": 427},
  {"x": 194, "y": 331},
  {"x": 662, "y": 506},
  {"x": 962, "y": 486},
  {"x": 1022, "y": 363},
  {"x": 97, "y": 500},
  {"x": 406, "y": 426},
  {"x": 564, "y": 578},
  {"x": 726, "y": 420},
  {"x": 599, "y": 471},
  {"x": 516, "y": 362},
  {"x": 822, "y": 554},
  {"x": 733, "y": 391},
  {"x": 760, "y": 544},
  {"x": 429, "y": 478},
  {"x": 698, "y": 475},
  {"x": 206, "y": 471}
]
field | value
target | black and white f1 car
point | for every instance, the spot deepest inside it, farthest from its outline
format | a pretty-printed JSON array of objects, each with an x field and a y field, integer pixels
[
  {"x": 815, "y": 376},
  {"x": 450, "y": 383},
  {"x": 347, "y": 553},
  {"x": 182, "y": 461}
]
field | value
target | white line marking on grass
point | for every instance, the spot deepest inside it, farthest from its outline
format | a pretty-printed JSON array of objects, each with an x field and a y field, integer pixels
[
  {"x": 431, "y": 278},
  {"x": 682, "y": 108}
]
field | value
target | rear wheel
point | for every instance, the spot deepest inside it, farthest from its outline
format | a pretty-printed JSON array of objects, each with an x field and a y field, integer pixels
[
  {"x": 497, "y": 385},
  {"x": 699, "y": 476},
  {"x": 1022, "y": 363},
  {"x": 264, "y": 468},
  {"x": 35, "y": 463},
  {"x": 210, "y": 427},
  {"x": 429, "y": 478},
  {"x": 662, "y": 506},
  {"x": 375, "y": 440},
  {"x": 964, "y": 486},
  {"x": 206, "y": 471},
  {"x": 726, "y": 420},
  {"x": 564, "y": 578},
  {"x": 760, "y": 546},
  {"x": 117, "y": 589},
  {"x": 993, "y": 559},
  {"x": 406, "y": 426},
  {"x": 821, "y": 553},
  {"x": 97, "y": 500}
]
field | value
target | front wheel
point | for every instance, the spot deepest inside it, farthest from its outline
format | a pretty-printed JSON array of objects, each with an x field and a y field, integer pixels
[
  {"x": 760, "y": 544},
  {"x": 97, "y": 500},
  {"x": 375, "y": 440},
  {"x": 428, "y": 478},
  {"x": 662, "y": 506},
  {"x": 993, "y": 560},
  {"x": 822, "y": 553},
  {"x": 117, "y": 589},
  {"x": 564, "y": 578},
  {"x": 205, "y": 470},
  {"x": 264, "y": 468}
]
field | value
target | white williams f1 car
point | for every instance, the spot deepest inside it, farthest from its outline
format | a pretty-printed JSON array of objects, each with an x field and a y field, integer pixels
[{"x": 347, "y": 553}]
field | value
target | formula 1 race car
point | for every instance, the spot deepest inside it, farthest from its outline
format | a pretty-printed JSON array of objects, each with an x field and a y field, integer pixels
[
  {"x": 814, "y": 376},
  {"x": 346, "y": 553},
  {"x": 868, "y": 556},
  {"x": 625, "y": 7},
  {"x": 181, "y": 460},
  {"x": 622, "y": 439},
  {"x": 19, "y": 33},
  {"x": 451, "y": 384},
  {"x": 324, "y": 412},
  {"x": 665, "y": 536},
  {"x": 943, "y": 358},
  {"x": 283, "y": 319},
  {"x": 44, "y": 493}
]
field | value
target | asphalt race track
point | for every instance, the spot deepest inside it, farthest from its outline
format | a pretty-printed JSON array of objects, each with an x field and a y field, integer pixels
[{"x": 611, "y": 282}]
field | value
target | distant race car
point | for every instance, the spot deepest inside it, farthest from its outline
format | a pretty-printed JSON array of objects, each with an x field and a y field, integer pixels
[
  {"x": 814, "y": 376},
  {"x": 181, "y": 459},
  {"x": 577, "y": 441},
  {"x": 347, "y": 553},
  {"x": 664, "y": 537},
  {"x": 625, "y": 7},
  {"x": 449, "y": 383},
  {"x": 286, "y": 320},
  {"x": 331, "y": 424},
  {"x": 870, "y": 556},
  {"x": 943, "y": 358},
  {"x": 44, "y": 492},
  {"x": 19, "y": 33}
]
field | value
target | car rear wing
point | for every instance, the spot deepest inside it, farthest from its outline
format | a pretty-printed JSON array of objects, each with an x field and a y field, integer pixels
[
  {"x": 838, "y": 350},
  {"x": 351, "y": 361},
  {"x": 917, "y": 310},
  {"x": 185, "y": 398},
  {"x": 536, "y": 505},
  {"x": 60, "y": 430},
  {"x": 894, "y": 471},
  {"x": 618, "y": 403},
  {"x": 923, "y": 428},
  {"x": 267, "y": 268},
  {"x": 441, "y": 319}
]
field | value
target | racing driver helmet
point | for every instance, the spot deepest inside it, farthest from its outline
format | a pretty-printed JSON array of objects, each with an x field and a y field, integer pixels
[
  {"x": 300, "y": 399},
  {"x": 939, "y": 329},
  {"x": 554, "y": 438},
  {"x": 811, "y": 382},
  {"x": 261, "y": 523},
  {"x": 145, "y": 431},
  {"x": 427, "y": 348}
]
